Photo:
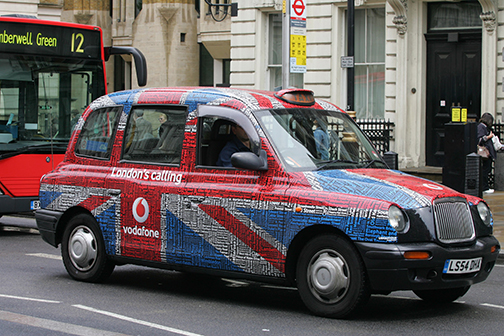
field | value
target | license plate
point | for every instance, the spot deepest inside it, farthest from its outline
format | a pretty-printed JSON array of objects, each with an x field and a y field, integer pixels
[
  {"x": 35, "y": 205},
  {"x": 461, "y": 266}
]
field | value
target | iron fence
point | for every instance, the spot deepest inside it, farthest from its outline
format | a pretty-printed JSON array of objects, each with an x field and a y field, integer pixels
[
  {"x": 498, "y": 129},
  {"x": 379, "y": 131}
]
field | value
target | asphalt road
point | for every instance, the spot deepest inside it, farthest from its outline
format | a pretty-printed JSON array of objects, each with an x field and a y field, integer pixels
[{"x": 37, "y": 297}]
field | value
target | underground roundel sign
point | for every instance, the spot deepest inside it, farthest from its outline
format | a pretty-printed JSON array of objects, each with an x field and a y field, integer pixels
[
  {"x": 298, "y": 9},
  {"x": 140, "y": 210}
]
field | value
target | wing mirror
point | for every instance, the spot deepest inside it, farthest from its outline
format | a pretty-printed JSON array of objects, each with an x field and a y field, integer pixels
[{"x": 250, "y": 161}]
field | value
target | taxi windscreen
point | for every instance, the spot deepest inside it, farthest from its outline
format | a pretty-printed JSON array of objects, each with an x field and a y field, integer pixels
[{"x": 312, "y": 139}]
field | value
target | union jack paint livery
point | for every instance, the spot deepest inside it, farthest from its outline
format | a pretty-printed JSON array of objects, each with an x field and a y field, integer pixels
[{"x": 302, "y": 199}]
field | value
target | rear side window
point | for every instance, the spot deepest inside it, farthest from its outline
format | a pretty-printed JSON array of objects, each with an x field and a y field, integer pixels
[
  {"x": 97, "y": 136},
  {"x": 155, "y": 134}
]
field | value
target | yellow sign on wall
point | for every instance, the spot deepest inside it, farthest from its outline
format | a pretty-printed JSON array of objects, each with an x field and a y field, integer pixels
[
  {"x": 298, "y": 49},
  {"x": 458, "y": 114},
  {"x": 455, "y": 114}
]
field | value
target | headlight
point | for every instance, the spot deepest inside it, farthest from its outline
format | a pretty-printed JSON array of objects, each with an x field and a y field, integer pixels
[
  {"x": 484, "y": 213},
  {"x": 397, "y": 219}
]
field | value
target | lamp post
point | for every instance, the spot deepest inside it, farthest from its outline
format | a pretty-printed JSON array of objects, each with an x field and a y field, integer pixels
[
  {"x": 285, "y": 44},
  {"x": 350, "y": 53}
]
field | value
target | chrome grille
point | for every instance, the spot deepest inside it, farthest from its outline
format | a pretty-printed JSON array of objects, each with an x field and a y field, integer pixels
[{"x": 453, "y": 220}]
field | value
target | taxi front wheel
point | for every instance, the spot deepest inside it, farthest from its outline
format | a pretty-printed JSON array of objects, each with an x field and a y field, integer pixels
[
  {"x": 331, "y": 277},
  {"x": 83, "y": 250}
]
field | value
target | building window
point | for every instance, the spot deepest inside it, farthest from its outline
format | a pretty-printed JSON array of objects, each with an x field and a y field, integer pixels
[
  {"x": 138, "y": 7},
  {"x": 370, "y": 63},
  {"x": 461, "y": 15},
  {"x": 226, "y": 72},
  {"x": 206, "y": 73},
  {"x": 275, "y": 55}
]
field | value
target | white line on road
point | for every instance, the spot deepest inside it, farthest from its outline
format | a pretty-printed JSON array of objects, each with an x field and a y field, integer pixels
[
  {"x": 491, "y": 305},
  {"x": 66, "y": 328},
  {"x": 45, "y": 255},
  {"x": 27, "y": 298},
  {"x": 130, "y": 319}
]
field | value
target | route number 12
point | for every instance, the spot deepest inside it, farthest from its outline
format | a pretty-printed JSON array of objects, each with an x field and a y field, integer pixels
[{"x": 79, "y": 40}]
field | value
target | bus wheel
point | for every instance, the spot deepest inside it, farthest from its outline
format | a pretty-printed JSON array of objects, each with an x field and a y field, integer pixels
[
  {"x": 441, "y": 295},
  {"x": 83, "y": 250},
  {"x": 331, "y": 277}
]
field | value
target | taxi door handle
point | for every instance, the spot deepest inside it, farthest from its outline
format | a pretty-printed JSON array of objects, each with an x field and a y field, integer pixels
[
  {"x": 193, "y": 201},
  {"x": 114, "y": 192}
]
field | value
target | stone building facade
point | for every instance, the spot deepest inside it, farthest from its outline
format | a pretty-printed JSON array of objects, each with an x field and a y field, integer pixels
[{"x": 414, "y": 59}]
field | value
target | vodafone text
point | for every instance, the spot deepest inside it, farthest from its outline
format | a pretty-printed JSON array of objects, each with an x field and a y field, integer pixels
[{"x": 142, "y": 232}]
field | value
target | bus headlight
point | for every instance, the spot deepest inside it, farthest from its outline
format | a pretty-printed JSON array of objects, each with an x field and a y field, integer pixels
[
  {"x": 484, "y": 213},
  {"x": 398, "y": 219}
]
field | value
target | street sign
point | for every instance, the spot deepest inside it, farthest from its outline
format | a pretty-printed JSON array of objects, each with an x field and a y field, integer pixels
[
  {"x": 298, "y": 9},
  {"x": 298, "y": 36},
  {"x": 347, "y": 61}
]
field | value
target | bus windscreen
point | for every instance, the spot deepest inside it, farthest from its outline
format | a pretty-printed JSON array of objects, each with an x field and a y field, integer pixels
[{"x": 49, "y": 73}]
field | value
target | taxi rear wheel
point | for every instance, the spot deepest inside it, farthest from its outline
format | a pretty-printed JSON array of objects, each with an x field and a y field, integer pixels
[
  {"x": 441, "y": 295},
  {"x": 83, "y": 250},
  {"x": 331, "y": 277}
]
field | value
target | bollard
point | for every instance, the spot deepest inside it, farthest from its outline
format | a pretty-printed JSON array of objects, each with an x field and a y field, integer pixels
[
  {"x": 472, "y": 175},
  {"x": 391, "y": 159},
  {"x": 499, "y": 171}
]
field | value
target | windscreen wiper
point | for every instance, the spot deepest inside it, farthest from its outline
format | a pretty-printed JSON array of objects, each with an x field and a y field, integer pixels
[
  {"x": 326, "y": 164},
  {"x": 370, "y": 162}
]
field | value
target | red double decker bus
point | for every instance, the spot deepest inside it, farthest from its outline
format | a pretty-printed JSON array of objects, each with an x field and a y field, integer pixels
[{"x": 49, "y": 72}]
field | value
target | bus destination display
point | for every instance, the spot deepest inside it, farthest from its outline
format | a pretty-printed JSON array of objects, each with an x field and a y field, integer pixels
[{"x": 39, "y": 39}]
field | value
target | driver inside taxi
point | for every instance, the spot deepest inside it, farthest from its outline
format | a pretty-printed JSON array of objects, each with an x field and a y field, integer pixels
[{"x": 238, "y": 143}]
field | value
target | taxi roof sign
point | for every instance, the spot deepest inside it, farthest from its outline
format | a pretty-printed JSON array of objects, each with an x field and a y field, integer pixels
[{"x": 296, "y": 96}]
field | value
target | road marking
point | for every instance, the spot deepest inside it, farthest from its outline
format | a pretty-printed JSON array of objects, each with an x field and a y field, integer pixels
[
  {"x": 45, "y": 255},
  {"x": 27, "y": 298},
  {"x": 133, "y": 320},
  {"x": 491, "y": 305},
  {"x": 66, "y": 328}
]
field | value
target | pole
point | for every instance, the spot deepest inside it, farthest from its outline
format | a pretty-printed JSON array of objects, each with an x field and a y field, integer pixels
[
  {"x": 350, "y": 53},
  {"x": 285, "y": 44}
]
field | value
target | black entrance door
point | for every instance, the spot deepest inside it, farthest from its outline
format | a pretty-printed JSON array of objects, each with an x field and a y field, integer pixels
[{"x": 453, "y": 78}]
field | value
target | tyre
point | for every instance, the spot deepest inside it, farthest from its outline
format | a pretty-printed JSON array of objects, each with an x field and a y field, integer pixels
[
  {"x": 331, "y": 277},
  {"x": 83, "y": 250},
  {"x": 441, "y": 295}
]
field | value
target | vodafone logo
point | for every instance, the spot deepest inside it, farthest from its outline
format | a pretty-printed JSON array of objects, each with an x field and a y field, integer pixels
[
  {"x": 140, "y": 210},
  {"x": 432, "y": 186}
]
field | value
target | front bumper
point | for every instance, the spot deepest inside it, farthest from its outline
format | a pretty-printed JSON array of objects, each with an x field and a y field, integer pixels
[
  {"x": 12, "y": 205},
  {"x": 47, "y": 222},
  {"x": 388, "y": 270}
]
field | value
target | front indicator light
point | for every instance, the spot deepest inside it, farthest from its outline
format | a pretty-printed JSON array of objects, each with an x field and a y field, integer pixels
[
  {"x": 494, "y": 248},
  {"x": 419, "y": 255}
]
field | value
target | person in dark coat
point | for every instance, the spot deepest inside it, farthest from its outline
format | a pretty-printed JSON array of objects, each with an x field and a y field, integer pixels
[
  {"x": 485, "y": 136},
  {"x": 239, "y": 143}
]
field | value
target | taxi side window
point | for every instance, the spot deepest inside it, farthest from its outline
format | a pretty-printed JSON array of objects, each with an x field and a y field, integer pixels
[
  {"x": 154, "y": 134},
  {"x": 97, "y": 135}
]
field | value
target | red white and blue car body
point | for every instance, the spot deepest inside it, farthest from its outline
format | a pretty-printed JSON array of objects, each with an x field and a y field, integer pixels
[{"x": 340, "y": 228}]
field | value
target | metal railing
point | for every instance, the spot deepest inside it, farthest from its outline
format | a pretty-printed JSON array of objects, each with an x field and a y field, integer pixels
[
  {"x": 379, "y": 131},
  {"x": 498, "y": 129}
]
